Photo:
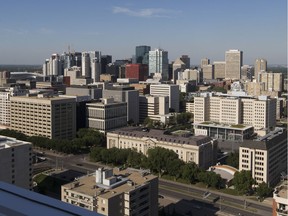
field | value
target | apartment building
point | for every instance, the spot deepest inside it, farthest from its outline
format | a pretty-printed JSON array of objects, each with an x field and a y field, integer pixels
[
  {"x": 114, "y": 192},
  {"x": 16, "y": 162},
  {"x": 106, "y": 115},
  {"x": 153, "y": 107},
  {"x": 265, "y": 157},
  {"x": 172, "y": 91},
  {"x": 199, "y": 149},
  {"x": 44, "y": 115}
]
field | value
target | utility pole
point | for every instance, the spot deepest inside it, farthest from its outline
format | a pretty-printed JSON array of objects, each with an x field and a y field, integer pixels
[{"x": 245, "y": 204}]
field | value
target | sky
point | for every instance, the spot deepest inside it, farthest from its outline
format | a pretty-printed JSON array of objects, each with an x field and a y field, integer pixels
[{"x": 31, "y": 30}]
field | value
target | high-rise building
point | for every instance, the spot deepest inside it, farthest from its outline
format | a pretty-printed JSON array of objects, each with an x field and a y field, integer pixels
[
  {"x": 265, "y": 157},
  {"x": 205, "y": 61},
  {"x": 208, "y": 72},
  {"x": 186, "y": 60},
  {"x": 43, "y": 115},
  {"x": 234, "y": 61},
  {"x": 91, "y": 65},
  {"x": 105, "y": 60},
  {"x": 137, "y": 71},
  {"x": 272, "y": 81},
  {"x": 172, "y": 91},
  {"x": 106, "y": 115},
  {"x": 219, "y": 69},
  {"x": 128, "y": 95},
  {"x": 153, "y": 107},
  {"x": 142, "y": 54},
  {"x": 114, "y": 192},
  {"x": 178, "y": 66},
  {"x": 260, "y": 65},
  {"x": 158, "y": 63},
  {"x": 16, "y": 162}
]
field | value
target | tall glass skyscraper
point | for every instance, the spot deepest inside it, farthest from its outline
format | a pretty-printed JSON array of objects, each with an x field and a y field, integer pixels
[
  {"x": 158, "y": 63},
  {"x": 142, "y": 54}
]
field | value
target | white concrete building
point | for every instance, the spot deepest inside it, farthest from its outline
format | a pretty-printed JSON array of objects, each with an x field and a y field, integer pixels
[
  {"x": 106, "y": 115},
  {"x": 265, "y": 157},
  {"x": 16, "y": 162},
  {"x": 234, "y": 61},
  {"x": 280, "y": 200},
  {"x": 172, "y": 91}
]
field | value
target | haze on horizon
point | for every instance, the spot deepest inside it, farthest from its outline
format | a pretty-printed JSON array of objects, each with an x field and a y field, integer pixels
[{"x": 30, "y": 31}]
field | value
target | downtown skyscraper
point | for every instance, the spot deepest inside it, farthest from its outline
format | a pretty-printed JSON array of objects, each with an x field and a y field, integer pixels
[
  {"x": 234, "y": 61},
  {"x": 158, "y": 63}
]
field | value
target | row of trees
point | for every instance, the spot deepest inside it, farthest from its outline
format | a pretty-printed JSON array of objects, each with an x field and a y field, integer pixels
[
  {"x": 85, "y": 139},
  {"x": 160, "y": 161}
]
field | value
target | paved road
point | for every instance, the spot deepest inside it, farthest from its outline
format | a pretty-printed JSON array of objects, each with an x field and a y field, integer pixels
[{"x": 227, "y": 203}]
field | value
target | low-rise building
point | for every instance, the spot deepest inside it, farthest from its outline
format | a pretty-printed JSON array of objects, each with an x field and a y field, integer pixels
[
  {"x": 280, "y": 200},
  {"x": 114, "y": 192},
  {"x": 265, "y": 157},
  {"x": 106, "y": 115},
  {"x": 199, "y": 149}
]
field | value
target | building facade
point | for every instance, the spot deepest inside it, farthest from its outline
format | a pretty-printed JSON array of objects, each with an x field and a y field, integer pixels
[
  {"x": 280, "y": 200},
  {"x": 219, "y": 69},
  {"x": 16, "y": 162},
  {"x": 114, "y": 192},
  {"x": 260, "y": 65},
  {"x": 142, "y": 54},
  {"x": 106, "y": 115},
  {"x": 136, "y": 71},
  {"x": 158, "y": 63},
  {"x": 272, "y": 81},
  {"x": 265, "y": 157},
  {"x": 199, "y": 149},
  {"x": 172, "y": 91},
  {"x": 234, "y": 61},
  {"x": 43, "y": 115}
]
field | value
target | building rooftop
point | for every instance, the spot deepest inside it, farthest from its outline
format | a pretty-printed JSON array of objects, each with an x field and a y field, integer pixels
[
  {"x": 218, "y": 125},
  {"x": 160, "y": 135},
  {"x": 17, "y": 201},
  {"x": 9, "y": 142},
  {"x": 128, "y": 179},
  {"x": 41, "y": 97},
  {"x": 282, "y": 190}
]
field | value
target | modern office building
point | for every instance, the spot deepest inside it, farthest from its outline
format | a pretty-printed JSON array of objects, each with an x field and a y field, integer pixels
[
  {"x": 219, "y": 69},
  {"x": 91, "y": 65},
  {"x": 205, "y": 61},
  {"x": 170, "y": 90},
  {"x": 208, "y": 72},
  {"x": 44, "y": 115},
  {"x": 199, "y": 149},
  {"x": 280, "y": 200},
  {"x": 94, "y": 92},
  {"x": 246, "y": 72},
  {"x": 190, "y": 74},
  {"x": 234, "y": 110},
  {"x": 265, "y": 157},
  {"x": 158, "y": 63},
  {"x": 16, "y": 162},
  {"x": 142, "y": 54},
  {"x": 105, "y": 60},
  {"x": 17, "y": 201},
  {"x": 136, "y": 71},
  {"x": 52, "y": 66},
  {"x": 128, "y": 95},
  {"x": 186, "y": 60},
  {"x": 234, "y": 61},
  {"x": 114, "y": 192},
  {"x": 178, "y": 66},
  {"x": 153, "y": 107},
  {"x": 260, "y": 66},
  {"x": 5, "y": 104},
  {"x": 272, "y": 81},
  {"x": 106, "y": 115}
]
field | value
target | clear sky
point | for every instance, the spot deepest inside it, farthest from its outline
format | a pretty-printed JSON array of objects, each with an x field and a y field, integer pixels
[{"x": 31, "y": 30}]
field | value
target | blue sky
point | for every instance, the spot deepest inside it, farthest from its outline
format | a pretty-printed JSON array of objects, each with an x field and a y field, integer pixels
[{"x": 31, "y": 30}]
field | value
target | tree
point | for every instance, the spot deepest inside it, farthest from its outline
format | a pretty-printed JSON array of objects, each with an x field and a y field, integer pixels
[
  {"x": 233, "y": 159},
  {"x": 190, "y": 172},
  {"x": 243, "y": 182},
  {"x": 263, "y": 190}
]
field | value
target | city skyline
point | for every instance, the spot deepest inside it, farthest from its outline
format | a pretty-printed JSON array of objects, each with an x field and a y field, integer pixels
[{"x": 31, "y": 31}]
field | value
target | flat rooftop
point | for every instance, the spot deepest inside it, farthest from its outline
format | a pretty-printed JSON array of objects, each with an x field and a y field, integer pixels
[
  {"x": 87, "y": 184},
  {"x": 9, "y": 142},
  {"x": 160, "y": 135},
  {"x": 224, "y": 126}
]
